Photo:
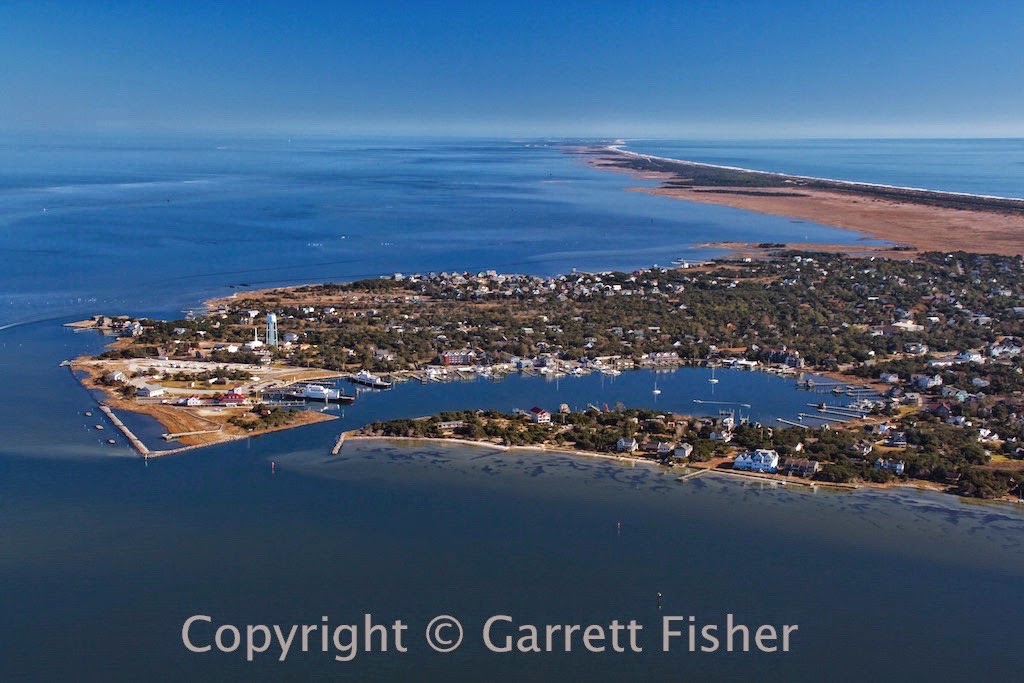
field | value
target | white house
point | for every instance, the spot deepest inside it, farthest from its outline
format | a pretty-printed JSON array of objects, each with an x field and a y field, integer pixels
[
  {"x": 1005, "y": 348},
  {"x": 761, "y": 460},
  {"x": 626, "y": 444},
  {"x": 539, "y": 415},
  {"x": 725, "y": 436},
  {"x": 896, "y": 466},
  {"x": 926, "y": 382},
  {"x": 683, "y": 450},
  {"x": 665, "y": 449}
]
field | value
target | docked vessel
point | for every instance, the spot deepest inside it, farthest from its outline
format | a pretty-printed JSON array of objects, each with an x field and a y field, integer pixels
[
  {"x": 317, "y": 392},
  {"x": 367, "y": 378}
]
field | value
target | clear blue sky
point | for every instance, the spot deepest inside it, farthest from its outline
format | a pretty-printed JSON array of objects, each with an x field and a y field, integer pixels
[{"x": 682, "y": 69}]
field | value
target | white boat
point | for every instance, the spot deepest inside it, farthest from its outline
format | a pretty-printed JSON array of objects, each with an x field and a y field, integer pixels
[
  {"x": 713, "y": 380},
  {"x": 656, "y": 389},
  {"x": 318, "y": 392},
  {"x": 367, "y": 378}
]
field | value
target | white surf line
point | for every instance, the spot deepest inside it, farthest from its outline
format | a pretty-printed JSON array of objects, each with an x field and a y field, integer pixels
[{"x": 852, "y": 183}]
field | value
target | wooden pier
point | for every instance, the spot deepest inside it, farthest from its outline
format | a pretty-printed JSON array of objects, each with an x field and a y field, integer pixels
[
  {"x": 694, "y": 475},
  {"x": 824, "y": 418},
  {"x": 338, "y": 444},
  {"x": 135, "y": 441},
  {"x": 841, "y": 411}
]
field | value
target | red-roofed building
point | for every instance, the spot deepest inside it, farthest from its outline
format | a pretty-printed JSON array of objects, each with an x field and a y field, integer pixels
[{"x": 232, "y": 398}]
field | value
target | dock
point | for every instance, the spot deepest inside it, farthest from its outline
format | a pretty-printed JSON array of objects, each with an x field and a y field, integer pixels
[
  {"x": 338, "y": 444},
  {"x": 823, "y": 418},
  {"x": 841, "y": 411},
  {"x": 791, "y": 423},
  {"x": 694, "y": 475},
  {"x": 135, "y": 441}
]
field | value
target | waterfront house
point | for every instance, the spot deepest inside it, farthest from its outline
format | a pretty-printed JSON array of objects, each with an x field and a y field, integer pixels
[
  {"x": 626, "y": 444},
  {"x": 232, "y": 398},
  {"x": 761, "y": 460},
  {"x": 683, "y": 450},
  {"x": 114, "y": 377},
  {"x": 132, "y": 329},
  {"x": 539, "y": 415},
  {"x": 451, "y": 425},
  {"x": 895, "y": 466},
  {"x": 801, "y": 467}
]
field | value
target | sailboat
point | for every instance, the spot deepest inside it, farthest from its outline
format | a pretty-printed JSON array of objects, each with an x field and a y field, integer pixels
[
  {"x": 656, "y": 389},
  {"x": 713, "y": 380}
]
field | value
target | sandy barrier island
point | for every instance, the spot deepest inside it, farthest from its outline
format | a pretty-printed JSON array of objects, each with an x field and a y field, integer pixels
[{"x": 922, "y": 219}]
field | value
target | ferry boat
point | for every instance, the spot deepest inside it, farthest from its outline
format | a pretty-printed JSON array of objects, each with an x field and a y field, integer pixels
[
  {"x": 318, "y": 392},
  {"x": 367, "y": 378}
]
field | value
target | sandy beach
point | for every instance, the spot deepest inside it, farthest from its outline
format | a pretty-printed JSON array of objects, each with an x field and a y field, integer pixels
[{"x": 907, "y": 216}]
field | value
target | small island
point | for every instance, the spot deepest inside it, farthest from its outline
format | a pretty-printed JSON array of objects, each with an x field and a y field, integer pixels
[{"x": 931, "y": 345}]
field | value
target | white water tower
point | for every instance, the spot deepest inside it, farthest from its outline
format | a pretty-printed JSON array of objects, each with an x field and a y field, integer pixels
[{"x": 271, "y": 329}]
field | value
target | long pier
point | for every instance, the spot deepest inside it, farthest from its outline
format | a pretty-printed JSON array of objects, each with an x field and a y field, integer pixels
[
  {"x": 823, "y": 418},
  {"x": 135, "y": 441},
  {"x": 839, "y": 410},
  {"x": 338, "y": 444}
]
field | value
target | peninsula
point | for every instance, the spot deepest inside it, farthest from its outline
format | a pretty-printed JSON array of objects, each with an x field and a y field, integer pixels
[
  {"x": 923, "y": 219},
  {"x": 937, "y": 340}
]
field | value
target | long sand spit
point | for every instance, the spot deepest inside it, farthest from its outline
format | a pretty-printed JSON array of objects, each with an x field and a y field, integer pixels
[{"x": 923, "y": 219}]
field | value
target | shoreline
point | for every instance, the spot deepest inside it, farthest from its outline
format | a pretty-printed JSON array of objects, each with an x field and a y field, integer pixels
[
  {"x": 197, "y": 431},
  {"x": 926, "y": 220},
  {"x": 354, "y": 435},
  {"x": 712, "y": 467},
  {"x": 856, "y": 184}
]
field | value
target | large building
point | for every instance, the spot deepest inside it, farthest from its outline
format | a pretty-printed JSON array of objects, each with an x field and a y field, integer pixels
[{"x": 761, "y": 460}]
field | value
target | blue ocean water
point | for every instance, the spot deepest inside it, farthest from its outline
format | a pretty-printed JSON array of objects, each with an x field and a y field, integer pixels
[
  {"x": 978, "y": 166},
  {"x": 103, "y": 556},
  {"x": 89, "y": 225}
]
